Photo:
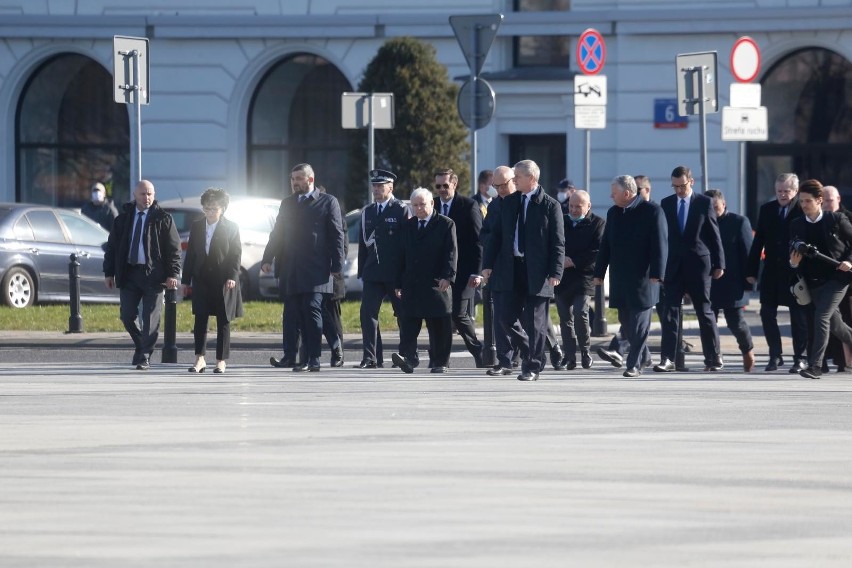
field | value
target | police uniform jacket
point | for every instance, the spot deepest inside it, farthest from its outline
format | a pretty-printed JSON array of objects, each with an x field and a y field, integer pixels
[
  {"x": 582, "y": 242},
  {"x": 467, "y": 217},
  {"x": 634, "y": 248},
  {"x": 306, "y": 244},
  {"x": 729, "y": 291},
  {"x": 772, "y": 239},
  {"x": 427, "y": 256},
  {"x": 207, "y": 272},
  {"x": 160, "y": 241},
  {"x": 378, "y": 262},
  {"x": 545, "y": 244}
]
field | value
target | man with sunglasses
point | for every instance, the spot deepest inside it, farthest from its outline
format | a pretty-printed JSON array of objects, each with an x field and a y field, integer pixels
[{"x": 467, "y": 216}]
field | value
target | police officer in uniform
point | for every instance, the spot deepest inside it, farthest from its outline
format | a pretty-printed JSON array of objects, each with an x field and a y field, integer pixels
[{"x": 379, "y": 253}]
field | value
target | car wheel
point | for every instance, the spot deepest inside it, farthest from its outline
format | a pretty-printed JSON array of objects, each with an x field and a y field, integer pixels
[{"x": 19, "y": 289}]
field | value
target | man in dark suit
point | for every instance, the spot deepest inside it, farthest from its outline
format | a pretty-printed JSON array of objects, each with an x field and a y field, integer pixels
[
  {"x": 695, "y": 256},
  {"x": 772, "y": 240},
  {"x": 634, "y": 247},
  {"x": 306, "y": 245},
  {"x": 424, "y": 283},
  {"x": 379, "y": 254},
  {"x": 583, "y": 233},
  {"x": 730, "y": 292},
  {"x": 484, "y": 192},
  {"x": 142, "y": 256},
  {"x": 525, "y": 251},
  {"x": 467, "y": 217}
]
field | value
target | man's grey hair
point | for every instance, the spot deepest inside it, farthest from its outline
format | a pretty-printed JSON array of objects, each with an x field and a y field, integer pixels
[
  {"x": 530, "y": 168},
  {"x": 309, "y": 171},
  {"x": 627, "y": 183},
  {"x": 422, "y": 192},
  {"x": 788, "y": 179},
  {"x": 582, "y": 194}
]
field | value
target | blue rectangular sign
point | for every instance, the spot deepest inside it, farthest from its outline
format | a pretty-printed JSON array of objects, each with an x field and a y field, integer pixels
[{"x": 666, "y": 116}]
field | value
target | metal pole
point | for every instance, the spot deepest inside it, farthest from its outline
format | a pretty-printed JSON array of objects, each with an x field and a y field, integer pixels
[
  {"x": 588, "y": 160},
  {"x": 703, "y": 112},
  {"x": 170, "y": 324},
  {"x": 742, "y": 179},
  {"x": 680, "y": 354},
  {"x": 489, "y": 351},
  {"x": 599, "y": 325},
  {"x": 75, "y": 320},
  {"x": 371, "y": 142},
  {"x": 474, "y": 119}
]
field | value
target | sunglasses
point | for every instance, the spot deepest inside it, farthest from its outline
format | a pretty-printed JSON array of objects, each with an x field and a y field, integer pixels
[{"x": 442, "y": 186}]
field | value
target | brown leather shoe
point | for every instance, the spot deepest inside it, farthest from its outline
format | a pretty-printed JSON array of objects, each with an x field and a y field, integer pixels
[{"x": 748, "y": 361}]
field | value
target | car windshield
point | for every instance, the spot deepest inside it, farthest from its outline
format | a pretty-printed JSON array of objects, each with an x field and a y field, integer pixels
[
  {"x": 184, "y": 218},
  {"x": 252, "y": 218},
  {"x": 353, "y": 224}
]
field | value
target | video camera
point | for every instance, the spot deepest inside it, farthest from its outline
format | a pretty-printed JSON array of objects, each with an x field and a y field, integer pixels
[{"x": 810, "y": 251}]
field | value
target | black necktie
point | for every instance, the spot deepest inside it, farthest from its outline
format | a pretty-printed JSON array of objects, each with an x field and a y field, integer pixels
[
  {"x": 137, "y": 236},
  {"x": 446, "y": 209},
  {"x": 783, "y": 212},
  {"x": 379, "y": 209},
  {"x": 522, "y": 233},
  {"x": 422, "y": 223}
]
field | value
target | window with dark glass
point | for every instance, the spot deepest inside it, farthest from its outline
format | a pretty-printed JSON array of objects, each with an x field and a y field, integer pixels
[
  {"x": 295, "y": 117},
  {"x": 70, "y": 134},
  {"x": 542, "y": 51}
]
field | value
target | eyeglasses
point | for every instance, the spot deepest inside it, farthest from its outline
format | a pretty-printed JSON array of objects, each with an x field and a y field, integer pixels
[
  {"x": 210, "y": 209},
  {"x": 442, "y": 186},
  {"x": 684, "y": 186},
  {"x": 499, "y": 185}
]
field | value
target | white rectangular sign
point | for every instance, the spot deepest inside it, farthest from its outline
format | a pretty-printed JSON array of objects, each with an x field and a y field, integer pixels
[
  {"x": 745, "y": 124},
  {"x": 590, "y": 117},
  {"x": 745, "y": 95},
  {"x": 589, "y": 90},
  {"x": 126, "y": 83}
]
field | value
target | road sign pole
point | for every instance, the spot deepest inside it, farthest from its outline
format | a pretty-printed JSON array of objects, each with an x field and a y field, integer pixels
[
  {"x": 474, "y": 46},
  {"x": 702, "y": 110},
  {"x": 742, "y": 178},
  {"x": 588, "y": 158},
  {"x": 137, "y": 110},
  {"x": 371, "y": 143}
]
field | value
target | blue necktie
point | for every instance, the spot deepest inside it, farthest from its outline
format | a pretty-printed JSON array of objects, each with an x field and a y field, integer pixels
[
  {"x": 137, "y": 237},
  {"x": 681, "y": 215}
]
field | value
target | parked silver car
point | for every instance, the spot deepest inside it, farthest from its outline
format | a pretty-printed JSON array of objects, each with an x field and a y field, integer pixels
[
  {"x": 36, "y": 243},
  {"x": 255, "y": 217}
]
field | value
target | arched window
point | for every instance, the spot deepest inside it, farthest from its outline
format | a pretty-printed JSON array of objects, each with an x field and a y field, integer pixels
[
  {"x": 808, "y": 95},
  {"x": 295, "y": 117},
  {"x": 70, "y": 134}
]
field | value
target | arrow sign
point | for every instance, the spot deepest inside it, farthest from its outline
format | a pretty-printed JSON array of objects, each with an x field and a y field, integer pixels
[{"x": 476, "y": 34}]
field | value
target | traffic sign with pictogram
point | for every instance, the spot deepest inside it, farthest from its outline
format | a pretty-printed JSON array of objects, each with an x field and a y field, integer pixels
[
  {"x": 745, "y": 60},
  {"x": 591, "y": 52}
]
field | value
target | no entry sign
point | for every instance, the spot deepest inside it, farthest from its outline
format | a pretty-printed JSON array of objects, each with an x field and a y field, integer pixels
[
  {"x": 745, "y": 60},
  {"x": 591, "y": 52}
]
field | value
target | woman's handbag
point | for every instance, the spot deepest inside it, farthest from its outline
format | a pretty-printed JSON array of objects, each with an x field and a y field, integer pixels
[{"x": 801, "y": 292}]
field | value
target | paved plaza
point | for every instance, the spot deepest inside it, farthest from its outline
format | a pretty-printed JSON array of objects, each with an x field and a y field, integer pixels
[{"x": 104, "y": 466}]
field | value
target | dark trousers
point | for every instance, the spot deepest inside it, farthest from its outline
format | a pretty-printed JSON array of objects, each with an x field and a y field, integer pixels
[
  {"x": 574, "y": 322},
  {"x": 135, "y": 289},
  {"x": 698, "y": 288},
  {"x": 509, "y": 341},
  {"x": 636, "y": 324},
  {"x": 798, "y": 328},
  {"x": 303, "y": 313},
  {"x": 223, "y": 336},
  {"x": 825, "y": 300},
  {"x": 440, "y": 338},
  {"x": 332, "y": 324},
  {"x": 371, "y": 302},
  {"x": 532, "y": 311},
  {"x": 463, "y": 322},
  {"x": 738, "y": 326}
]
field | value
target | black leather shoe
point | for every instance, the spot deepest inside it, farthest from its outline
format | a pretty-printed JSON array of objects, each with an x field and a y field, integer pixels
[
  {"x": 797, "y": 367},
  {"x": 571, "y": 364},
  {"x": 666, "y": 366},
  {"x": 144, "y": 364},
  {"x": 300, "y": 367},
  {"x": 498, "y": 372},
  {"x": 282, "y": 363},
  {"x": 632, "y": 373},
  {"x": 400, "y": 362},
  {"x": 336, "y": 357},
  {"x": 438, "y": 370},
  {"x": 365, "y": 364},
  {"x": 314, "y": 365},
  {"x": 714, "y": 367},
  {"x": 516, "y": 363},
  {"x": 612, "y": 357},
  {"x": 528, "y": 376},
  {"x": 556, "y": 356},
  {"x": 586, "y": 359},
  {"x": 774, "y": 363},
  {"x": 811, "y": 372}
]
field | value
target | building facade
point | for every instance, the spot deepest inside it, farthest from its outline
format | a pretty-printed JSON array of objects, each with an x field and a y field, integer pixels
[{"x": 241, "y": 91}]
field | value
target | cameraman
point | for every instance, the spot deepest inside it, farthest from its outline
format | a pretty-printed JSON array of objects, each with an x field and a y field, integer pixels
[{"x": 822, "y": 234}]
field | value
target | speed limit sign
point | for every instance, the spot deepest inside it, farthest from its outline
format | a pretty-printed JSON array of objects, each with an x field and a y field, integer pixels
[{"x": 666, "y": 116}]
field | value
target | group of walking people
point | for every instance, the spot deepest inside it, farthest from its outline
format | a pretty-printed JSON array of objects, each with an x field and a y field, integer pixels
[{"x": 526, "y": 249}]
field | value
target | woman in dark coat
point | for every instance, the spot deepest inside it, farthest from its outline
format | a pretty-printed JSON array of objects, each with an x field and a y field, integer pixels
[{"x": 211, "y": 270}]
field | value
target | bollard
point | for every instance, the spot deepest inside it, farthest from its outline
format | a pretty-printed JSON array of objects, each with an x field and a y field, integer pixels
[
  {"x": 75, "y": 321},
  {"x": 599, "y": 325},
  {"x": 170, "y": 325},
  {"x": 680, "y": 355},
  {"x": 489, "y": 352}
]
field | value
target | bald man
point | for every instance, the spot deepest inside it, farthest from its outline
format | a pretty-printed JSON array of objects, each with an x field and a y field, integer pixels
[{"x": 142, "y": 258}]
